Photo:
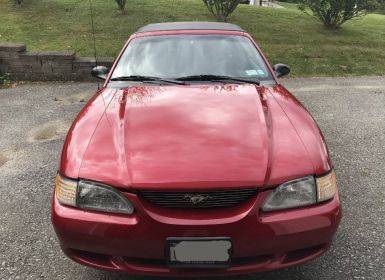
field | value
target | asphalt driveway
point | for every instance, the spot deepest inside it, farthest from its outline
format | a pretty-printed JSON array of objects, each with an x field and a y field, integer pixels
[{"x": 35, "y": 117}]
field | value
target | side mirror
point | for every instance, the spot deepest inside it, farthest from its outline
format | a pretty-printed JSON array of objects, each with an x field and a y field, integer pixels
[
  {"x": 100, "y": 72},
  {"x": 281, "y": 70}
]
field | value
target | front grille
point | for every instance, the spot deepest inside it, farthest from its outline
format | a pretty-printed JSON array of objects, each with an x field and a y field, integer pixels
[{"x": 212, "y": 199}]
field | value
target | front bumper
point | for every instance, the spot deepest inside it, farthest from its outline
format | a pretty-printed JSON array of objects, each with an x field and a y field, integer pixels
[{"x": 136, "y": 243}]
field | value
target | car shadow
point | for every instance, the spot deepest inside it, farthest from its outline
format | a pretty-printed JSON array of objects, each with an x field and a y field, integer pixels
[{"x": 295, "y": 273}]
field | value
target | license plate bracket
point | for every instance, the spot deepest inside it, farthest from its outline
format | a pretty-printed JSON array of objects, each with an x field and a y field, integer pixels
[{"x": 198, "y": 252}]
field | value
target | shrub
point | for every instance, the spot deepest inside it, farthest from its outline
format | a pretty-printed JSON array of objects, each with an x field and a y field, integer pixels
[
  {"x": 121, "y": 5},
  {"x": 4, "y": 80},
  {"x": 221, "y": 9},
  {"x": 381, "y": 8},
  {"x": 333, "y": 13}
]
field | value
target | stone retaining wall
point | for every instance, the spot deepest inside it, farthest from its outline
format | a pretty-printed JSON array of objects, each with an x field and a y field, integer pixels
[{"x": 46, "y": 66}]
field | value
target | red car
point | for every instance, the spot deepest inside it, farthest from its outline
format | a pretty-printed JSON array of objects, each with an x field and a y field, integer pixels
[{"x": 194, "y": 160}]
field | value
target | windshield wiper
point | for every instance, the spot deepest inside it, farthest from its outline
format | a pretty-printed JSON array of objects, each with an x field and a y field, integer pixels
[
  {"x": 146, "y": 79},
  {"x": 217, "y": 78}
]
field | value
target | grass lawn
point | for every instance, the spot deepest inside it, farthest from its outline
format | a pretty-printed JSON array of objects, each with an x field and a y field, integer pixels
[{"x": 285, "y": 35}]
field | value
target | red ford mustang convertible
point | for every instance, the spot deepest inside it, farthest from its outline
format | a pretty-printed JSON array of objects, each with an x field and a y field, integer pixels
[{"x": 192, "y": 160}]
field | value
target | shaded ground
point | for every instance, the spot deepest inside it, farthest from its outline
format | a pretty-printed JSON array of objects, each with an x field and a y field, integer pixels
[{"x": 33, "y": 122}]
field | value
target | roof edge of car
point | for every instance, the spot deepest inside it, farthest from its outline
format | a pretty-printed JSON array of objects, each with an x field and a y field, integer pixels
[{"x": 189, "y": 25}]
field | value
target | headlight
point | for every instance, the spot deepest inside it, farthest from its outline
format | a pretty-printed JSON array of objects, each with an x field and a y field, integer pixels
[
  {"x": 302, "y": 192},
  {"x": 296, "y": 193},
  {"x": 91, "y": 196}
]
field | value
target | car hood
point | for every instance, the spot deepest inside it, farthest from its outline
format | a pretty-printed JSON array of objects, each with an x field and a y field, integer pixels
[{"x": 194, "y": 137}]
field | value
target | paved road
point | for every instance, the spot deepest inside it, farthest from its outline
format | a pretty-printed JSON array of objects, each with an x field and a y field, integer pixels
[{"x": 33, "y": 121}]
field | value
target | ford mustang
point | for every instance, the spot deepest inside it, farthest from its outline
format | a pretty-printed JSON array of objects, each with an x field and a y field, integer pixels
[{"x": 192, "y": 160}]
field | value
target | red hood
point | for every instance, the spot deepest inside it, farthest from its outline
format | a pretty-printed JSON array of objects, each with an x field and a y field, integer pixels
[{"x": 194, "y": 137}]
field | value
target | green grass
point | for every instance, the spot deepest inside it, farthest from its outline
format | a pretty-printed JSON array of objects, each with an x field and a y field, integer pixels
[
  {"x": 285, "y": 35},
  {"x": 288, "y": 5}
]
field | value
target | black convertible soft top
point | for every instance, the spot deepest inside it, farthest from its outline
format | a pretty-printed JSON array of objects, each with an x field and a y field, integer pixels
[{"x": 197, "y": 25}]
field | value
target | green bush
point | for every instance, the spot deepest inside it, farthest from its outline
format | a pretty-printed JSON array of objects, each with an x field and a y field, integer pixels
[
  {"x": 221, "y": 9},
  {"x": 4, "y": 80},
  {"x": 381, "y": 8},
  {"x": 333, "y": 13}
]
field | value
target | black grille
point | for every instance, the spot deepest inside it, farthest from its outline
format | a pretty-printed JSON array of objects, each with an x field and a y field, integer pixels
[{"x": 212, "y": 199}]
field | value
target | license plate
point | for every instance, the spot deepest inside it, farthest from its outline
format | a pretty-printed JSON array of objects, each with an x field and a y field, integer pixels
[{"x": 199, "y": 252}]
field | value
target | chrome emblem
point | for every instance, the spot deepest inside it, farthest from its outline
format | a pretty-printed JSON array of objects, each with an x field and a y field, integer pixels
[{"x": 196, "y": 199}]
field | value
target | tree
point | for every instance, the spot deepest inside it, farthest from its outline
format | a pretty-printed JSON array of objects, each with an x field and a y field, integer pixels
[
  {"x": 333, "y": 13},
  {"x": 121, "y": 5},
  {"x": 221, "y": 9}
]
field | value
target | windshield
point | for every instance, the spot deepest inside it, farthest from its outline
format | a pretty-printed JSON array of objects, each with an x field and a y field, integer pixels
[{"x": 176, "y": 56}]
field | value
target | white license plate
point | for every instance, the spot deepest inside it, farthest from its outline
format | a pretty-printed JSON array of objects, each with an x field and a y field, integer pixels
[{"x": 199, "y": 252}]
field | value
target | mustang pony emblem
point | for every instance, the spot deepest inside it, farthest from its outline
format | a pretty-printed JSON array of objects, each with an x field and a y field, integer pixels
[{"x": 196, "y": 198}]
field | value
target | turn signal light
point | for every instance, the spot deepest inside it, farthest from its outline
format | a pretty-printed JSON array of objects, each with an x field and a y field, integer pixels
[
  {"x": 326, "y": 186},
  {"x": 66, "y": 191}
]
